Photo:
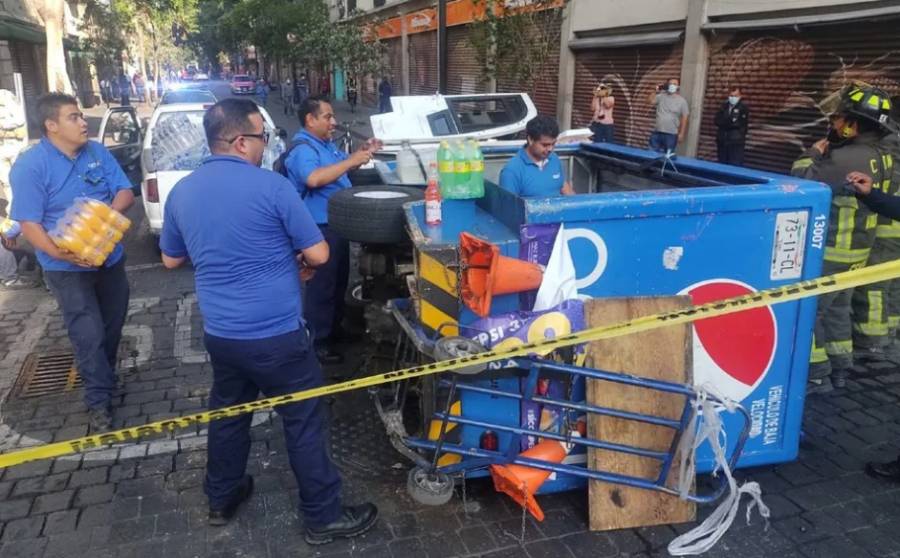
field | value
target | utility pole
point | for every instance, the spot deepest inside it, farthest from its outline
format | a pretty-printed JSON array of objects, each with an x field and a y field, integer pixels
[{"x": 442, "y": 46}]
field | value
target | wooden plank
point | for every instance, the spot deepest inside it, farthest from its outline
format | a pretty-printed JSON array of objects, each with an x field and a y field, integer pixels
[{"x": 663, "y": 354}]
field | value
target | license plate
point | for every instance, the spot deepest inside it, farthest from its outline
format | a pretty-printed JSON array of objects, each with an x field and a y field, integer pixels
[{"x": 790, "y": 241}]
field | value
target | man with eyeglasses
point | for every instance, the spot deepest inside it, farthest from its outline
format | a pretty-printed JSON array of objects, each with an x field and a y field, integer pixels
[
  {"x": 45, "y": 181},
  {"x": 251, "y": 239},
  {"x": 318, "y": 170}
]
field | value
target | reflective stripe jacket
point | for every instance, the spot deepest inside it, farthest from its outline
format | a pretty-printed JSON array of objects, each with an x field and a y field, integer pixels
[{"x": 851, "y": 225}]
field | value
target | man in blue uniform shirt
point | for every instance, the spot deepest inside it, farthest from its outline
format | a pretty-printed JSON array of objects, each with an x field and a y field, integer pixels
[
  {"x": 45, "y": 181},
  {"x": 318, "y": 170},
  {"x": 250, "y": 239},
  {"x": 536, "y": 171}
]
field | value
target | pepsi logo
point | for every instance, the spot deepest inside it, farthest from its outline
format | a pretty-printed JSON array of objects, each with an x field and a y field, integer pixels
[{"x": 732, "y": 352}]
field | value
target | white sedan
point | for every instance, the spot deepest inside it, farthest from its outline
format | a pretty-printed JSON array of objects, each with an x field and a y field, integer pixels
[{"x": 174, "y": 144}]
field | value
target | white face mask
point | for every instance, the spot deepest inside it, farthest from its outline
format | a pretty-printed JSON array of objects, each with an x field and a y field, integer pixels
[
  {"x": 733, "y": 100},
  {"x": 672, "y": 88}
]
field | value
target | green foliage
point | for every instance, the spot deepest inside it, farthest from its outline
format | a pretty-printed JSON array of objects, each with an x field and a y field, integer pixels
[{"x": 515, "y": 43}]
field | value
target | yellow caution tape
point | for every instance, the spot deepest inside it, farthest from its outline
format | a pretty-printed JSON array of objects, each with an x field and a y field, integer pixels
[{"x": 786, "y": 293}]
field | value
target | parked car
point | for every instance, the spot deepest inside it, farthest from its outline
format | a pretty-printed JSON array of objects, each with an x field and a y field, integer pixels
[
  {"x": 187, "y": 96},
  {"x": 242, "y": 84},
  {"x": 170, "y": 147},
  {"x": 201, "y": 76}
]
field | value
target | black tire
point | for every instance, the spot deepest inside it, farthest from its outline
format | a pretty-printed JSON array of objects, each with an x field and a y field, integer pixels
[
  {"x": 372, "y": 214},
  {"x": 365, "y": 177}
]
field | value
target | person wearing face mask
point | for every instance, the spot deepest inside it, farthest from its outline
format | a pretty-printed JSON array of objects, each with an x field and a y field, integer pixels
[
  {"x": 251, "y": 239},
  {"x": 731, "y": 134},
  {"x": 602, "y": 124},
  {"x": 536, "y": 171},
  {"x": 671, "y": 117},
  {"x": 853, "y": 144}
]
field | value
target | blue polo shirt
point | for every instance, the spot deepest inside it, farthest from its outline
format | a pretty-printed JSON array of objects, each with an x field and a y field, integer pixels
[
  {"x": 45, "y": 183},
  {"x": 241, "y": 226},
  {"x": 305, "y": 158},
  {"x": 524, "y": 178}
]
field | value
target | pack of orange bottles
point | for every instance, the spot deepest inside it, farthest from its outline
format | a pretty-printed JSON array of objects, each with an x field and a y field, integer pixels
[{"x": 90, "y": 229}]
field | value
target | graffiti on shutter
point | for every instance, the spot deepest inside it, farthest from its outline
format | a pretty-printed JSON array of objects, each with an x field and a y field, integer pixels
[
  {"x": 785, "y": 76},
  {"x": 544, "y": 87},
  {"x": 423, "y": 75},
  {"x": 633, "y": 73}
]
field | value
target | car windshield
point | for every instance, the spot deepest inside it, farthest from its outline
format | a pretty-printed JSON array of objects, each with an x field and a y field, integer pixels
[
  {"x": 188, "y": 96},
  {"x": 178, "y": 142},
  {"x": 241, "y": 78}
]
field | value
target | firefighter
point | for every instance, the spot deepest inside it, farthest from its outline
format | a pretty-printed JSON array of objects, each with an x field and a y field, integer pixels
[{"x": 853, "y": 145}]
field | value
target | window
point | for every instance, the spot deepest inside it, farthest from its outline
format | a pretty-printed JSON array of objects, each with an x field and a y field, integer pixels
[
  {"x": 379, "y": 3},
  {"x": 121, "y": 129},
  {"x": 473, "y": 114}
]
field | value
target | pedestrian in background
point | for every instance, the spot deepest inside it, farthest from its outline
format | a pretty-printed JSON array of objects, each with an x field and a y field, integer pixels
[
  {"x": 732, "y": 121},
  {"x": 671, "y": 117},
  {"x": 287, "y": 94},
  {"x": 45, "y": 181},
  {"x": 124, "y": 89},
  {"x": 248, "y": 287},
  {"x": 262, "y": 91},
  {"x": 351, "y": 93},
  {"x": 384, "y": 95},
  {"x": 318, "y": 170},
  {"x": 602, "y": 105}
]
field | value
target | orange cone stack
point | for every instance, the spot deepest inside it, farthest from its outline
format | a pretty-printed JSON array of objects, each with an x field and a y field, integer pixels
[{"x": 486, "y": 273}]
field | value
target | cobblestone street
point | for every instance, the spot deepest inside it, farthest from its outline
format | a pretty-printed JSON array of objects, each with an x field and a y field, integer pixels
[{"x": 146, "y": 499}]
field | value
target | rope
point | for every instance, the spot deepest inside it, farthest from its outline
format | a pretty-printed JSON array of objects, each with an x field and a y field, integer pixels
[{"x": 703, "y": 537}]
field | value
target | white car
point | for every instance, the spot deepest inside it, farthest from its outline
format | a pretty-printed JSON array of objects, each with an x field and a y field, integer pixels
[
  {"x": 200, "y": 76},
  {"x": 174, "y": 145}
]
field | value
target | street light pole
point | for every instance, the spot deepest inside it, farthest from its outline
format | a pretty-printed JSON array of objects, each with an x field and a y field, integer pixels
[{"x": 442, "y": 46}]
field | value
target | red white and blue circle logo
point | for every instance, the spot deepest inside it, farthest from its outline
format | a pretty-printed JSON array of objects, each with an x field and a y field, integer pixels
[{"x": 734, "y": 352}]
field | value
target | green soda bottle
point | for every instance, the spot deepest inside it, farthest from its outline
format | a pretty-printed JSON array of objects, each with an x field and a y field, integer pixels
[
  {"x": 476, "y": 168},
  {"x": 461, "y": 171},
  {"x": 445, "y": 169}
]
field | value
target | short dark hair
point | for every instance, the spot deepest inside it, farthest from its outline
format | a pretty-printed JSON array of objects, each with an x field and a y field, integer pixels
[
  {"x": 311, "y": 105},
  {"x": 674, "y": 79},
  {"x": 735, "y": 88},
  {"x": 48, "y": 105},
  {"x": 540, "y": 126},
  {"x": 228, "y": 118}
]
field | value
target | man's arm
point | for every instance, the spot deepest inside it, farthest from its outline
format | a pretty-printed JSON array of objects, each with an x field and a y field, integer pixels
[
  {"x": 38, "y": 237},
  {"x": 878, "y": 201},
  {"x": 324, "y": 176},
  {"x": 123, "y": 201},
  {"x": 315, "y": 255},
  {"x": 172, "y": 263},
  {"x": 653, "y": 98}
]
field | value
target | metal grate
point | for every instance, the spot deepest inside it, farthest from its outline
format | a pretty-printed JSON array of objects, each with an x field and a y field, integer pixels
[{"x": 46, "y": 375}]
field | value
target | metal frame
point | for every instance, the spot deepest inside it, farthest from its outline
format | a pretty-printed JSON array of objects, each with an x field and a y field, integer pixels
[{"x": 533, "y": 367}]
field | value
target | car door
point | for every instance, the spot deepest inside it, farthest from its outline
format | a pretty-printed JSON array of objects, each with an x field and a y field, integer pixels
[{"x": 120, "y": 133}]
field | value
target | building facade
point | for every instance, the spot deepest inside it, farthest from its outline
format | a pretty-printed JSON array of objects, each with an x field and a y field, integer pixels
[{"x": 788, "y": 56}]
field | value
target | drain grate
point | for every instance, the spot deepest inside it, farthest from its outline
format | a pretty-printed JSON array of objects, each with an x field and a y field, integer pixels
[{"x": 46, "y": 375}]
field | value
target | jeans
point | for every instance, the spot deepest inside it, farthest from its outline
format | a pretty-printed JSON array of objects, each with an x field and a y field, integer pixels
[
  {"x": 662, "y": 142},
  {"x": 323, "y": 295},
  {"x": 274, "y": 366},
  {"x": 94, "y": 305},
  {"x": 603, "y": 132}
]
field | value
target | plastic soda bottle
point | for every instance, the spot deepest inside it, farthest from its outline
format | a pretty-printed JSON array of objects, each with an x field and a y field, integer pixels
[
  {"x": 476, "y": 166},
  {"x": 97, "y": 207},
  {"x": 433, "y": 197},
  {"x": 445, "y": 164},
  {"x": 461, "y": 171},
  {"x": 119, "y": 221}
]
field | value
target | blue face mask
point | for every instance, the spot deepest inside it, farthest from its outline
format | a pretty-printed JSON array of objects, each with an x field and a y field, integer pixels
[
  {"x": 672, "y": 88},
  {"x": 733, "y": 100}
]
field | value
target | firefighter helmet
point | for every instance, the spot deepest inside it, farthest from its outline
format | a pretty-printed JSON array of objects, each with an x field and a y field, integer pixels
[{"x": 869, "y": 103}]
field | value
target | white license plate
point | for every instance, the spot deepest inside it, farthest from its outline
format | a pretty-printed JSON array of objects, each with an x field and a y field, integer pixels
[{"x": 790, "y": 241}]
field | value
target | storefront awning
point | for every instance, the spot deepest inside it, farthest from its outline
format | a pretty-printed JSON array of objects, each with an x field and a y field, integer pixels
[
  {"x": 11, "y": 29},
  {"x": 627, "y": 40},
  {"x": 802, "y": 20}
]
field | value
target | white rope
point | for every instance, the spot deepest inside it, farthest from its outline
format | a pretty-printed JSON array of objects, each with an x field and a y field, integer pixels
[{"x": 703, "y": 537}]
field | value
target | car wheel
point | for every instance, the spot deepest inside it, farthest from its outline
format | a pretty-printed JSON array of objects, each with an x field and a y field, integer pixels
[{"x": 372, "y": 214}]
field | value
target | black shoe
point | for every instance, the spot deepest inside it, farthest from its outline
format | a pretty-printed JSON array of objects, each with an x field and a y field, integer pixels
[
  {"x": 839, "y": 379},
  {"x": 885, "y": 471},
  {"x": 354, "y": 521},
  {"x": 100, "y": 419},
  {"x": 327, "y": 355},
  {"x": 819, "y": 385},
  {"x": 220, "y": 517}
]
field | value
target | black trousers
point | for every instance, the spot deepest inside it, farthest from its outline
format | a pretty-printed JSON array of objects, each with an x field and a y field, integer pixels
[{"x": 730, "y": 153}]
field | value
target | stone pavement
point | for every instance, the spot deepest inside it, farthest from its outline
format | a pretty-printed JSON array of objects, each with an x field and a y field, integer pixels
[{"x": 146, "y": 499}]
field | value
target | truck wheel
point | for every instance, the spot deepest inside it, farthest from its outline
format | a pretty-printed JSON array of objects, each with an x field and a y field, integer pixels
[
  {"x": 372, "y": 214},
  {"x": 429, "y": 489}
]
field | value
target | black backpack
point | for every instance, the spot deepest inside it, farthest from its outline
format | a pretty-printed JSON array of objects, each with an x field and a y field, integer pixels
[{"x": 279, "y": 164}]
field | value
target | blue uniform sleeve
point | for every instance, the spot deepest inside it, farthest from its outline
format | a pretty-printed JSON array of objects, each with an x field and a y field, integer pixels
[
  {"x": 171, "y": 242},
  {"x": 29, "y": 190},
  {"x": 509, "y": 178},
  {"x": 300, "y": 163},
  {"x": 295, "y": 217},
  {"x": 115, "y": 176}
]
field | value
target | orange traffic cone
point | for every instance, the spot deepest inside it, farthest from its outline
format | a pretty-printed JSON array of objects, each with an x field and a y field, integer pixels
[
  {"x": 521, "y": 482},
  {"x": 486, "y": 273}
]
